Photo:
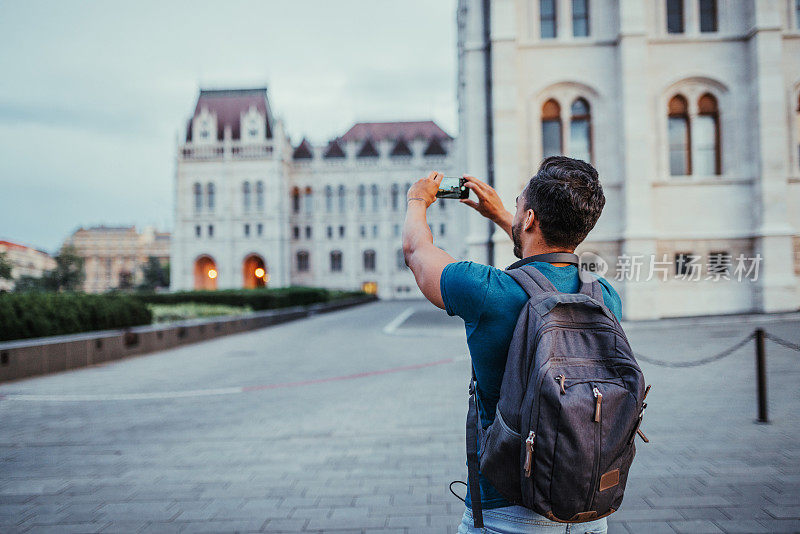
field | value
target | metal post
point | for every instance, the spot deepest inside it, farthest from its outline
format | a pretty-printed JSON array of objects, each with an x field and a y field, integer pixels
[{"x": 761, "y": 376}]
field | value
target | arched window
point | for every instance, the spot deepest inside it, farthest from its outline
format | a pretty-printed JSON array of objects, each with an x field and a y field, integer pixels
[
  {"x": 680, "y": 160},
  {"x": 708, "y": 15},
  {"x": 369, "y": 261},
  {"x": 210, "y": 196},
  {"x": 362, "y": 201},
  {"x": 551, "y": 129},
  {"x": 302, "y": 261},
  {"x": 308, "y": 201},
  {"x": 336, "y": 261},
  {"x": 705, "y": 137},
  {"x": 375, "y": 197},
  {"x": 342, "y": 199},
  {"x": 547, "y": 19},
  {"x": 295, "y": 200},
  {"x": 328, "y": 198},
  {"x": 797, "y": 116},
  {"x": 197, "y": 191},
  {"x": 395, "y": 196},
  {"x": 580, "y": 18},
  {"x": 580, "y": 131},
  {"x": 260, "y": 195},
  {"x": 246, "y": 195}
]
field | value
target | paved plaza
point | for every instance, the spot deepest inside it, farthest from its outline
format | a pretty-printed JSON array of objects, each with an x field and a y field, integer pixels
[{"x": 353, "y": 422}]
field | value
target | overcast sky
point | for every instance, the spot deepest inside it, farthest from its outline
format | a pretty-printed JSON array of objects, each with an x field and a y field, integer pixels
[{"x": 93, "y": 94}]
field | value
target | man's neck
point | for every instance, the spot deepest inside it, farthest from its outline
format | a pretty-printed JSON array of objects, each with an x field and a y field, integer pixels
[{"x": 532, "y": 249}]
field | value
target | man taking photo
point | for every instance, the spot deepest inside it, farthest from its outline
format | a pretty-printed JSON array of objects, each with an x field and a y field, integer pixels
[{"x": 554, "y": 213}]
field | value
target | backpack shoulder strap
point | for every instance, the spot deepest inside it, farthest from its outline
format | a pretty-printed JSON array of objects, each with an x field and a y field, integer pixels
[
  {"x": 532, "y": 280},
  {"x": 590, "y": 286}
]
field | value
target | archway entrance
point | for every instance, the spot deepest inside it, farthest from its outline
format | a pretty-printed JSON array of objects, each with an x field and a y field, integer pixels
[
  {"x": 254, "y": 272},
  {"x": 205, "y": 273}
]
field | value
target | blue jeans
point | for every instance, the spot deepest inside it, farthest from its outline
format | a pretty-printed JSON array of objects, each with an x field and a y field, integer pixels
[{"x": 519, "y": 520}]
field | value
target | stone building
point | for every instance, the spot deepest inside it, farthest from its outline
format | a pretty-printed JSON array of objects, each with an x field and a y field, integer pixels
[
  {"x": 115, "y": 255},
  {"x": 689, "y": 109},
  {"x": 25, "y": 261},
  {"x": 253, "y": 210}
]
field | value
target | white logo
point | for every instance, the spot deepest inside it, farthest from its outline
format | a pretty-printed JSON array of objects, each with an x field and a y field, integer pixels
[{"x": 591, "y": 264}]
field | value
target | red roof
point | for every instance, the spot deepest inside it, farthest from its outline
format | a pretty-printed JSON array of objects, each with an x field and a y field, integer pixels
[
  {"x": 379, "y": 131},
  {"x": 229, "y": 105},
  {"x": 10, "y": 245}
]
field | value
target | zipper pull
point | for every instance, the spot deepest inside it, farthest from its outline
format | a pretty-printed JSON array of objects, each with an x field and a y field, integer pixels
[
  {"x": 529, "y": 452},
  {"x": 599, "y": 397},
  {"x": 561, "y": 379}
]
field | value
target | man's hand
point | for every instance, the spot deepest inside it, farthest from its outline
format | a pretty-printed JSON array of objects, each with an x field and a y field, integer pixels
[
  {"x": 489, "y": 204},
  {"x": 425, "y": 189}
]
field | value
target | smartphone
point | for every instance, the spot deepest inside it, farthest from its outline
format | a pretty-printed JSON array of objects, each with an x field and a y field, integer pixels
[{"x": 453, "y": 187}]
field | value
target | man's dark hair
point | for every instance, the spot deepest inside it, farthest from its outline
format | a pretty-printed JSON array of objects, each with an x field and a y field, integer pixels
[{"x": 567, "y": 198}]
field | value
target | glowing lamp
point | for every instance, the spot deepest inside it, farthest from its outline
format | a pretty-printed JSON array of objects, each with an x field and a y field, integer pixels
[
  {"x": 259, "y": 272},
  {"x": 212, "y": 273}
]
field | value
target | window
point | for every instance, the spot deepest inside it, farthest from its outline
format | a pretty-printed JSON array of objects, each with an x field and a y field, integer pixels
[
  {"x": 362, "y": 231},
  {"x": 210, "y": 196},
  {"x": 547, "y": 18},
  {"x": 441, "y": 229},
  {"x": 375, "y": 197},
  {"x": 396, "y": 230},
  {"x": 685, "y": 263},
  {"x": 308, "y": 201},
  {"x": 401, "y": 259},
  {"x": 680, "y": 163},
  {"x": 336, "y": 261},
  {"x": 374, "y": 230},
  {"x": 580, "y": 131},
  {"x": 580, "y": 18},
  {"x": 247, "y": 230},
  {"x": 341, "y": 231},
  {"x": 260, "y": 195},
  {"x": 551, "y": 129},
  {"x": 395, "y": 196},
  {"x": 302, "y": 261},
  {"x": 260, "y": 229},
  {"x": 329, "y": 232},
  {"x": 328, "y": 198},
  {"x": 308, "y": 232},
  {"x": 442, "y": 205},
  {"x": 708, "y": 15},
  {"x": 296, "y": 232},
  {"x": 705, "y": 138},
  {"x": 246, "y": 195},
  {"x": 362, "y": 193},
  {"x": 210, "y": 230},
  {"x": 797, "y": 13},
  {"x": 369, "y": 261},
  {"x": 197, "y": 190},
  {"x": 295, "y": 200},
  {"x": 197, "y": 230},
  {"x": 675, "y": 16},
  {"x": 342, "y": 199}
]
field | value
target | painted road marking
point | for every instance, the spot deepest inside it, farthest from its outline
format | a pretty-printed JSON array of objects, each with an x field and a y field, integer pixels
[
  {"x": 216, "y": 391},
  {"x": 397, "y": 321}
]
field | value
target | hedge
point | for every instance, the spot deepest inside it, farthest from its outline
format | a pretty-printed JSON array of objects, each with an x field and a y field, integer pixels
[
  {"x": 27, "y": 315},
  {"x": 255, "y": 299}
]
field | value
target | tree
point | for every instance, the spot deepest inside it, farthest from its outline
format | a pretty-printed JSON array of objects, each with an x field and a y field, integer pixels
[
  {"x": 68, "y": 274},
  {"x": 155, "y": 274},
  {"x": 5, "y": 267}
]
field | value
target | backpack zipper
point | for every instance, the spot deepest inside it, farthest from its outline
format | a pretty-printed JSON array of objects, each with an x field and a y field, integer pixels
[
  {"x": 529, "y": 443},
  {"x": 598, "y": 433},
  {"x": 598, "y": 400}
]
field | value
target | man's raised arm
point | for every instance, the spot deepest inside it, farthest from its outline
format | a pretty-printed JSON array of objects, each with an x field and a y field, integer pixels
[
  {"x": 425, "y": 259},
  {"x": 489, "y": 204}
]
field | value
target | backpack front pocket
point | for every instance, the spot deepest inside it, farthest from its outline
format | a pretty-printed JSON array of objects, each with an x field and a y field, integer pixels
[{"x": 501, "y": 454}]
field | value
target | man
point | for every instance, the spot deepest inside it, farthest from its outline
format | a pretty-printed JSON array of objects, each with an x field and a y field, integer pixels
[{"x": 554, "y": 213}]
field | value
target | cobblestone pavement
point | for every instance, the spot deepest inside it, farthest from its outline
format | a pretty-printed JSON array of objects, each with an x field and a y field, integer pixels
[{"x": 353, "y": 422}]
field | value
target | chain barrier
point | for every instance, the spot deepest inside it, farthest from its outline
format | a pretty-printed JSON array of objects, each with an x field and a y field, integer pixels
[
  {"x": 695, "y": 363},
  {"x": 720, "y": 355},
  {"x": 783, "y": 342}
]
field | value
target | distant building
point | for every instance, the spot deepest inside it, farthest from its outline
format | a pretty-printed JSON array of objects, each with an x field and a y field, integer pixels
[
  {"x": 114, "y": 256},
  {"x": 689, "y": 109},
  {"x": 253, "y": 210},
  {"x": 25, "y": 261}
]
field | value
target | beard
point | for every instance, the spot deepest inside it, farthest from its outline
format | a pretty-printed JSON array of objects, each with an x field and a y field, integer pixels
[{"x": 516, "y": 230}]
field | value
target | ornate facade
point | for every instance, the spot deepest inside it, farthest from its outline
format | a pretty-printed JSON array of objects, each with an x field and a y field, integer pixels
[{"x": 254, "y": 210}]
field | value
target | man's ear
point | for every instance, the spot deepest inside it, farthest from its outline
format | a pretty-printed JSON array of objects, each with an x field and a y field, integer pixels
[{"x": 530, "y": 218}]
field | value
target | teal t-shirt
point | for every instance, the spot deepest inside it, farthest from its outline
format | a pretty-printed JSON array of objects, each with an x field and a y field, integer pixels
[{"x": 489, "y": 301}]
